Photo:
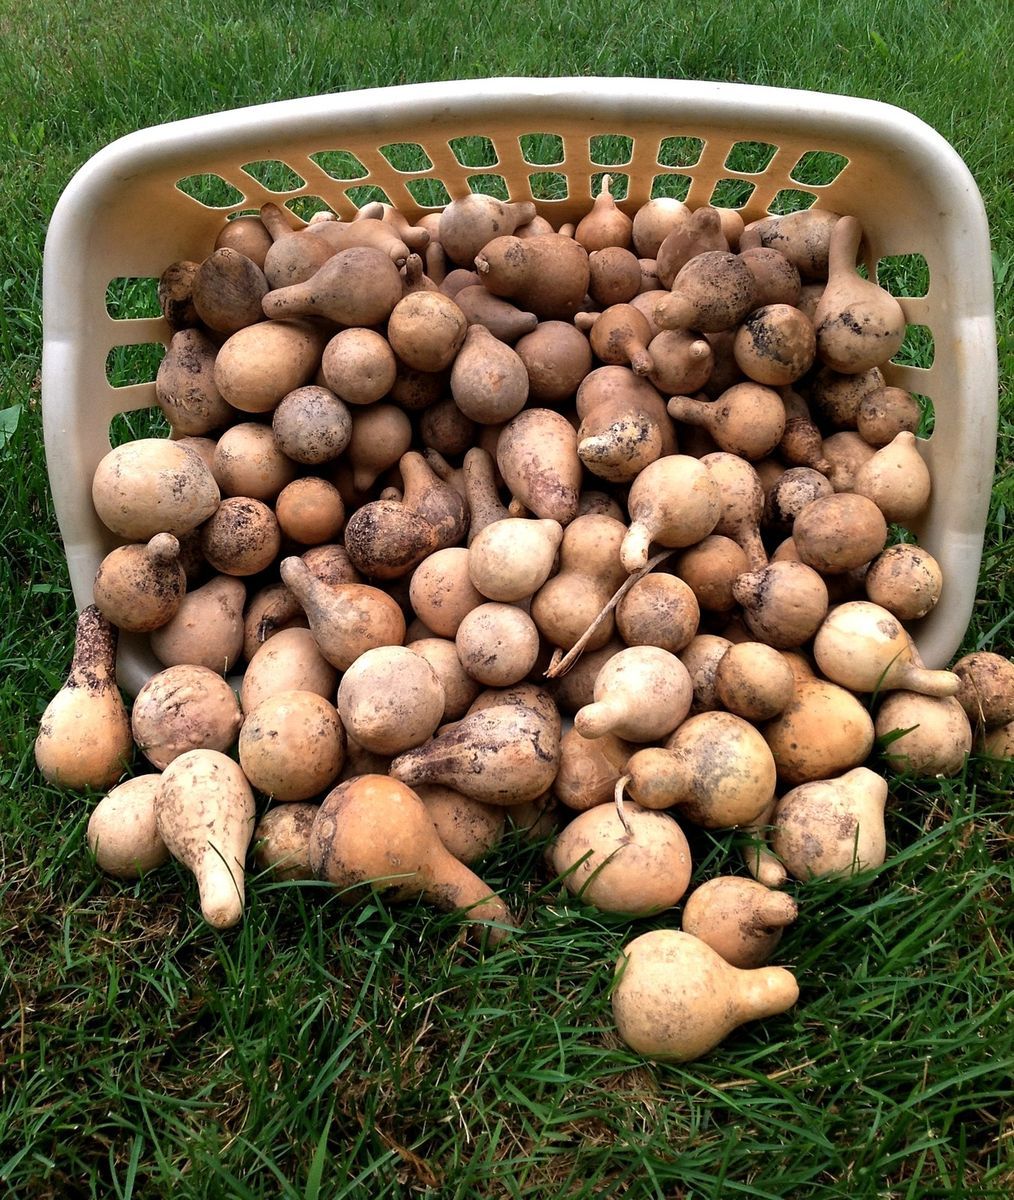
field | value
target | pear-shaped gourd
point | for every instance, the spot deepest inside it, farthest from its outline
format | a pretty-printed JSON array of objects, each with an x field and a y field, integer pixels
[
  {"x": 374, "y": 832},
  {"x": 804, "y": 238},
  {"x": 739, "y": 918},
  {"x": 433, "y": 499},
  {"x": 505, "y": 754},
  {"x": 896, "y": 479},
  {"x": 712, "y": 292},
  {"x": 619, "y": 336},
  {"x": 675, "y": 502},
  {"x": 605, "y": 225},
  {"x": 139, "y": 587},
  {"x": 864, "y": 648},
  {"x": 505, "y": 321},
  {"x": 832, "y": 826},
  {"x": 715, "y": 768},
  {"x": 346, "y": 619},
  {"x": 693, "y": 233},
  {"x": 185, "y": 386},
  {"x": 489, "y": 382},
  {"x": 589, "y": 573},
  {"x": 537, "y": 457},
  {"x": 84, "y": 736},
  {"x": 205, "y": 814},
  {"x": 748, "y": 419},
  {"x": 547, "y": 275},
  {"x": 742, "y": 495},
  {"x": 675, "y": 998},
  {"x": 924, "y": 736},
  {"x": 468, "y": 223},
  {"x": 641, "y": 694},
  {"x": 385, "y": 539},
  {"x": 510, "y": 560},
  {"x": 121, "y": 831},
  {"x": 355, "y": 287},
  {"x": 858, "y": 324}
]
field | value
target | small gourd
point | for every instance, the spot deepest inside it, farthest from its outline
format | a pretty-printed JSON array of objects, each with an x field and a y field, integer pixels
[{"x": 833, "y": 826}]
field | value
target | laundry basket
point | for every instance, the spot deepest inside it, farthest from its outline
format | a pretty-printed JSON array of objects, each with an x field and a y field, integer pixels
[{"x": 162, "y": 194}]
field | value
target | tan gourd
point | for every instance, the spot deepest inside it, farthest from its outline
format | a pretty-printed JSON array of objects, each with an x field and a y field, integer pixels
[
  {"x": 480, "y": 472},
  {"x": 659, "y": 610},
  {"x": 311, "y": 425},
  {"x": 615, "y": 276},
  {"x": 824, "y": 731},
  {"x": 390, "y": 700},
  {"x": 576, "y": 688},
  {"x": 537, "y": 457},
  {"x": 858, "y": 324},
  {"x": 832, "y": 826},
  {"x": 460, "y": 689},
  {"x": 864, "y": 648},
  {"x": 589, "y": 573},
  {"x": 281, "y": 842},
  {"x": 293, "y": 256},
  {"x": 374, "y": 832},
  {"x": 426, "y": 330},
  {"x": 248, "y": 235},
  {"x": 764, "y": 866},
  {"x": 498, "y": 644},
  {"x": 748, "y": 419},
  {"x": 557, "y": 357},
  {"x": 205, "y": 814},
  {"x": 241, "y": 537},
  {"x": 906, "y": 580},
  {"x": 175, "y": 292},
  {"x": 185, "y": 387},
  {"x": 775, "y": 345},
  {"x": 987, "y": 688},
  {"x": 801, "y": 444},
  {"x": 676, "y": 999},
  {"x": 634, "y": 862},
  {"x": 368, "y": 230},
  {"x": 386, "y": 539},
  {"x": 642, "y": 694},
  {"x": 589, "y": 769},
  {"x": 258, "y": 365},
  {"x": 739, "y": 919},
  {"x": 346, "y": 619},
  {"x": 620, "y": 335},
  {"x": 742, "y": 503},
  {"x": 886, "y": 412},
  {"x": 776, "y": 277},
  {"x": 499, "y": 317},
  {"x": 510, "y": 560},
  {"x": 518, "y": 746},
  {"x": 692, "y": 233},
  {"x": 896, "y": 479},
  {"x": 675, "y": 502},
  {"x": 207, "y": 627},
  {"x": 227, "y": 291},
  {"x": 547, "y": 275},
  {"x": 153, "y": 485},
  {"x": 184, "y": 708},
  {"x": 247, "y": 461},
  {"x": 925, "y": 736},
  {"x": 84, "y": 735},
  {"x": 489, "y": 382},
  {"x": 790, "y": 494},
  {"x": 804, "y": 238},
  {"x": 714, "y": 291},
  {"x": 783, "y": 603},
  {"x": 436, "y": 501},
  {"x": 290, "y": 661},
  {"x": 468, "y": 830},
  {"x": 835, "y": 397},
  {"x": 121, "y": 832},
  {"x": 355, "y": 287},
  {"x": 710, "y": 568},
  {"x": 359, "y": 366},
  {"x": 624, "y": 425},
  {"x": 754, "y": 681},
  {"x": 140, "y": 587},
  {"x": 469, "y": 222},
  {"x": 715, "y": 768},
  {"x": 844, "y": 453},
  {"x": 681, "y": 361},
  {"x": 605, "y": 224},
  {"x": 441, "y": 591},
  {"x": 381, "y": 434},
  {"x": 310, "y": 511},
  {"x": 653, "y": 222},
  {"x": 292, "y": 746},
  {"x": 834, "y": 534}
]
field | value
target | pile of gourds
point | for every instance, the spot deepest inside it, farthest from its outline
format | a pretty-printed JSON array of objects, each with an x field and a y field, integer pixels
[{"x": 593, "y": 530}]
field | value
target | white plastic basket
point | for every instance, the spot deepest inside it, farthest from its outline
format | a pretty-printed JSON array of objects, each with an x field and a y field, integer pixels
[{"x": 124, "y": 217}]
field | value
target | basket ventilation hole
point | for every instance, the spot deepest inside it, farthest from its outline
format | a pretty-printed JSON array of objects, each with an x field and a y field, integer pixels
[
  {"x": 731, "y": 193},
  {"x": 790, "y": 200},
  {"x": 675, "y": 186},
  {"x": 610, "y": 149},
  {"x": 750, "y": 158},
  {"x": 548, "y": 185},
  {"x": 407, "y": 156},
  {"x": 305, "y": 207},
  {"x": 339, "y": 164},
  {"x": 680, "y": 151},
  {"x": 366, "y": 194},
  {"x": 429, "y": 193},
  {"x": 489, "y": 185},
  {"x": 818, "y": 168},
  {"x": 904, "y": 274},
  {"x": 927, "y": 415},
  {"x": 542, "y": 149},
  {"x": 129, "y": 297},
  {"x": 475, "y": 151},
  {"x": 141, "y": 423},
  {"x": 274, "y": 175},
  {"x": 619, "y": 185},
  {"x": 918, "y": 349},
  {"x": 210, "y": 190},
  {"x": 127, "y": 365}
]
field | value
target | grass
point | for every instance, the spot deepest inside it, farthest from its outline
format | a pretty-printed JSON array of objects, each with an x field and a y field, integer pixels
[{"x": 325, "y": 1051}]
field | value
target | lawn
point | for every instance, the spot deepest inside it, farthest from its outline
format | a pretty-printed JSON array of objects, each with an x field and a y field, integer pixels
[{"x": 323, "y": 1051}]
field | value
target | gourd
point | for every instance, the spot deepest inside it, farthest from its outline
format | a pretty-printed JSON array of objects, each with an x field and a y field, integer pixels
[
  {"x": 537, "y": 457},
  {"x": 359, "y": 366},
  {"x": 359, "y": 286},
  {"x": 183, "y": 708},
  {"x": 832, "y": 826},
  {"x": 84, "y": 735},
  {"x": 468, "y": 223},
  {"x": 489, "y": 382},
  {"x": 824, "y": 731},
  {"x": 498, "y": 644},
  {"x": 205, "y": 814},
  {"x": 390, "y": 699},
  {"x": 675, "y": 998},
  {"x": 923, "y": 736},
  {"x": 510, "y": 560},
  {"x": 641, "y": 695},
  {"x": 547, "y": 275},
  {"x": 374, "y": 832},
  {"x": 140, "y": 587},
  {"x": 121, "y": 832},
  {"x": 292, "y": 745},
  {"x": 740, "y": 919},
  {"x": 747, "y": 420},
  {"x": 986, "y": 692},
  {"x": 674, "y": 501}
]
